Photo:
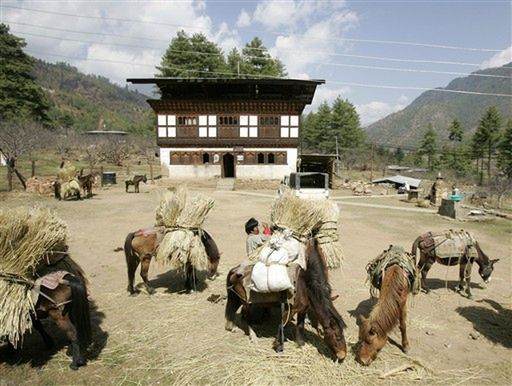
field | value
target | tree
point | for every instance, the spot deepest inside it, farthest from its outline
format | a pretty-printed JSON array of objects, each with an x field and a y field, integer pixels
[
  {"x": 456, "y": 131},
  {"x": 399, "y": 155},
  {"x": 256, "y": 60},
  {"x": 429, "y": 145},
  {"x": 192, "y": 57},
  {"x": 21, "y": 97},
  {"x": 346, "y": 125},
  {"x": 488, "y": 134},
  {"x": 235, "y": 63},
  {"x": 505, "y": 151}
]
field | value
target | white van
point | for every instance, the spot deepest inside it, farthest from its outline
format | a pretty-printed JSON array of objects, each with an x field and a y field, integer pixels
[{"x": 307, "y": 185}]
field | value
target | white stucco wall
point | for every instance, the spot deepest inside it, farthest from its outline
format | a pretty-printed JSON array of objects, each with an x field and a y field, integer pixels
[{"x": 260, "y": 171}]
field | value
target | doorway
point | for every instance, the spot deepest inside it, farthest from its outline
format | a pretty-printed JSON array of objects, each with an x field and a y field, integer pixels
[{"x": 228, "y": 165}]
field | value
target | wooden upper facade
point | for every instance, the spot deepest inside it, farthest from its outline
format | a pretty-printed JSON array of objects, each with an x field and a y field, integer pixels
[{"x": 230, "y": 112}]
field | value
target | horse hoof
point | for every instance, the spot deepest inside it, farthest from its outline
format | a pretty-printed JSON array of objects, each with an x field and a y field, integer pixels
[
  {"x": 278, "y": 348},
  {"x": 405, "y": 349},
  {"x": 151, "y": 291},
  {"x": 133, "y": 294},
  {"x": 73, "y": 367}
]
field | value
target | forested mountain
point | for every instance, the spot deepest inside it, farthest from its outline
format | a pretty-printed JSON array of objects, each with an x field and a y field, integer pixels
[
  {"x": 408, "y": 126},
  {"x": 88, "y": 102}
]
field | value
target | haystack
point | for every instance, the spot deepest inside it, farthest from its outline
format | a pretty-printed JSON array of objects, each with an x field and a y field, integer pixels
[
  {"x": 183, "y": 214},
  {"x": 306, "y": 219},
  {"x": 27, "y": 238},
  {"x": 67, "y": 172}
]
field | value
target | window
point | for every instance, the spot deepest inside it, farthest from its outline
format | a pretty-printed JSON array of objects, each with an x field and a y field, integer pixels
[
  {"x": 290, "y": 126},
  {"x": 207, "y": 126},
  {"x": 166, "y": 125},
  {"x": 269, "y": 121},
  {"x": 228, "y": 121},
  {"x": 271, "y": 159},
  {"x": 187, "y": 121},
  {"x": 248, "y": 126},
  {"x": 261, "y": 158},
  {"x": 206, "y": 158}
]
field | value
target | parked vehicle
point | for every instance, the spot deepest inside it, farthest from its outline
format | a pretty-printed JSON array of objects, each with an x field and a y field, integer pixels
[{"x": 307, "y": 185}]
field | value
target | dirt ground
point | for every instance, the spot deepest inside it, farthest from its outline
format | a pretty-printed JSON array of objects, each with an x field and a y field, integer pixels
[{"x": 177, "y": 338}]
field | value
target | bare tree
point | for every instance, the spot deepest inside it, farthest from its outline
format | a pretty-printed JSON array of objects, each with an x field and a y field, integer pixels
[
  {"x": 114, "y": 150},
  {"x": 17, "y": 139},
  {"x": 501, "y": 186}
]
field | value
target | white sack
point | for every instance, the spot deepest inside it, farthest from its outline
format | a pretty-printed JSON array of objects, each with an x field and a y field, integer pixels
[{"x": 272, "y": 278}]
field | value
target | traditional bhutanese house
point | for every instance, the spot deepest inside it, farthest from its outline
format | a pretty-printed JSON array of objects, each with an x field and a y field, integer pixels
[{"x": 246, "y": 128}]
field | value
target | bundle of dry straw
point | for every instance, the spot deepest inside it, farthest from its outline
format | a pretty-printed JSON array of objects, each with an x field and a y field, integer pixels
[
  {"x": 67, "y": 172},
  {"x": 310, "y": 218},
  {"x": 27, "y": 236},
  {"x": 183, "y": 215}
]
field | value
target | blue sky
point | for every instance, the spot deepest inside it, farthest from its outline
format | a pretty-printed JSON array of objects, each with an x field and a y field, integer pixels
[{"x": 422, "y": 44}]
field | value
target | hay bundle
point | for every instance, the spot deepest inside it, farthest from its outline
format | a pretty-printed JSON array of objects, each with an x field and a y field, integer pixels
[
  {"x": 183, "y": 215},
  {"x": 328, "y": 237},
  {"x": 308, "y": 218},
  {"x": 67, "y": 171},
  {"x": 27, "y": 237}
]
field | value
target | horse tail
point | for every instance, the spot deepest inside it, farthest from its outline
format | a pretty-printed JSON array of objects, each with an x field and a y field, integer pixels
[
  {"x": 80, "y": 314},
  {"x": 132, "y": 260},
  {"x": 415, "y": 250}
]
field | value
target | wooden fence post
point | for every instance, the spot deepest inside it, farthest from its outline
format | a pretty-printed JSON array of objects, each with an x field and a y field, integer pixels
[
  {"x": 33, "y": 168},
  {"x": 101, "y": 176},
  {"x": 151, "y": 173}
]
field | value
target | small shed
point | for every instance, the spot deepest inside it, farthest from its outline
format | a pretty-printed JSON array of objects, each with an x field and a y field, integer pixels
[{"x": 318, "y": 163}]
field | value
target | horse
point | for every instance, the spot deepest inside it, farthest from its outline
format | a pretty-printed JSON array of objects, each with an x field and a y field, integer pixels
[
  {"x": 395, "y": 279},
  {"x": 452, "y": 248},
  {"x": 312, "y": 296},
  {"x": 86, "y": 182},
  {"x": 68, "y": 306},
  {"x": 142, "y": 245},
  {"x": 135, "y": 181},
  {"x": 64, "y": 190}
]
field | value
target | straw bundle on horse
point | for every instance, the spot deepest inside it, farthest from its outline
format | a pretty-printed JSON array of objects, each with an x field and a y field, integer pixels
[
  {"x": 67, "y": 172},
  {"x": 28, "y": 238},
  {"x": 308, "y": 218},
  {"x": 183, "y": 214}
]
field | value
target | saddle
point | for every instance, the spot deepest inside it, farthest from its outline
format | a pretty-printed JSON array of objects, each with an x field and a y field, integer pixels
[
  {"x": 449, "y": 245},
  {"x": 50, "y": 280}
]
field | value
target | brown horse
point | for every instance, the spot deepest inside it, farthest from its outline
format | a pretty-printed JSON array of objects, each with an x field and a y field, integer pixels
[
  {"x": 68, "y": 306},
  {"x": 464, "y": 248},
  {"x": 135, "y": 181},
  {"x": 390, "y": 310},
  {"x": 312, "y": 296},
  {"x": 142, "y": 245},
  {"x": 86, "y": 182}
]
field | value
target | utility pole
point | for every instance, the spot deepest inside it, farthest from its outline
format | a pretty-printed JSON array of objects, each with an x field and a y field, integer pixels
[
  {"x": 371, "y": 164},
  {"x": 337, "y": 158}
]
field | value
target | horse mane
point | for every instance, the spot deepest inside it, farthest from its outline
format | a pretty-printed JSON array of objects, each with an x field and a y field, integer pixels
[
  {"x": 483, "y": 259},
  {"x": 210, "y": 246},
  {"x": 318, "y": 287},
  {"x": 386, "y": 313}
]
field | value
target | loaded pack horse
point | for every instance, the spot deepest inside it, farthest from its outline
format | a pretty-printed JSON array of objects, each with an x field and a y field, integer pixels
[
  {"x": 312, "y": 296},
  {"x": 135, "y": 181},
  {"x": 394, "y": 274},
  {"x": 452, "y": 248},
  {"x": 141, "y": 246},
  {"x": 62, "y": 297}
]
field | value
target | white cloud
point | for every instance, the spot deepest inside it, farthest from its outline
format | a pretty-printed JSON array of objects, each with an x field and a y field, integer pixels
[
  {"x": 244, "y": 19},
  {"x": 324, "y": 93},
  {"x": 320, "y": 39},
  {"x": 373, "y": 111},
  {"x": 499, "y": 59}
]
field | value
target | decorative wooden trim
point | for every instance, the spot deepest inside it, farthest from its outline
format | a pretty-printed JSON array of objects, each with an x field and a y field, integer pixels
[
  {"x": 222, "y": 107},
  {"x": 229, "y": 142}
]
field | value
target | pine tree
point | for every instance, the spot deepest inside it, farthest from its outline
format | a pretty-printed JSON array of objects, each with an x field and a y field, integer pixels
[
  {"x": 456, "y": 131},
  {"x": 489, "y": 133},
  {"x": 192, "y": 57},
  {"x": 21, "y": 96},
  {"x": 257, "y": 61},
  {"x": 505, "y": 151},
  {"x": 346, "y": 125},
  {"x": 235, "y": 63},
  {"x": 429, "y": 145}
]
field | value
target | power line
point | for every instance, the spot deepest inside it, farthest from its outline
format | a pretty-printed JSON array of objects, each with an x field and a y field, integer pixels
[
  {"x": 382, "y": 58},
  {"x": 396, "y": 42},
  {"x": 249, "y": 56},
  {"x": 275, "y": 77}
]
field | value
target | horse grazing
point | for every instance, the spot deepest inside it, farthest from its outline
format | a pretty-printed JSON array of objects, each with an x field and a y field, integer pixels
[
  {"x": 64, "y": 190},
  {"x": 142, "y": 245},
  {"x": 68, "y": 306},
  {"x": 312, "y": 296},
  {"x": 135, "y": 181},
  {"x": 395, "y": 283},
  {"x": 451, "y": 248}
]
